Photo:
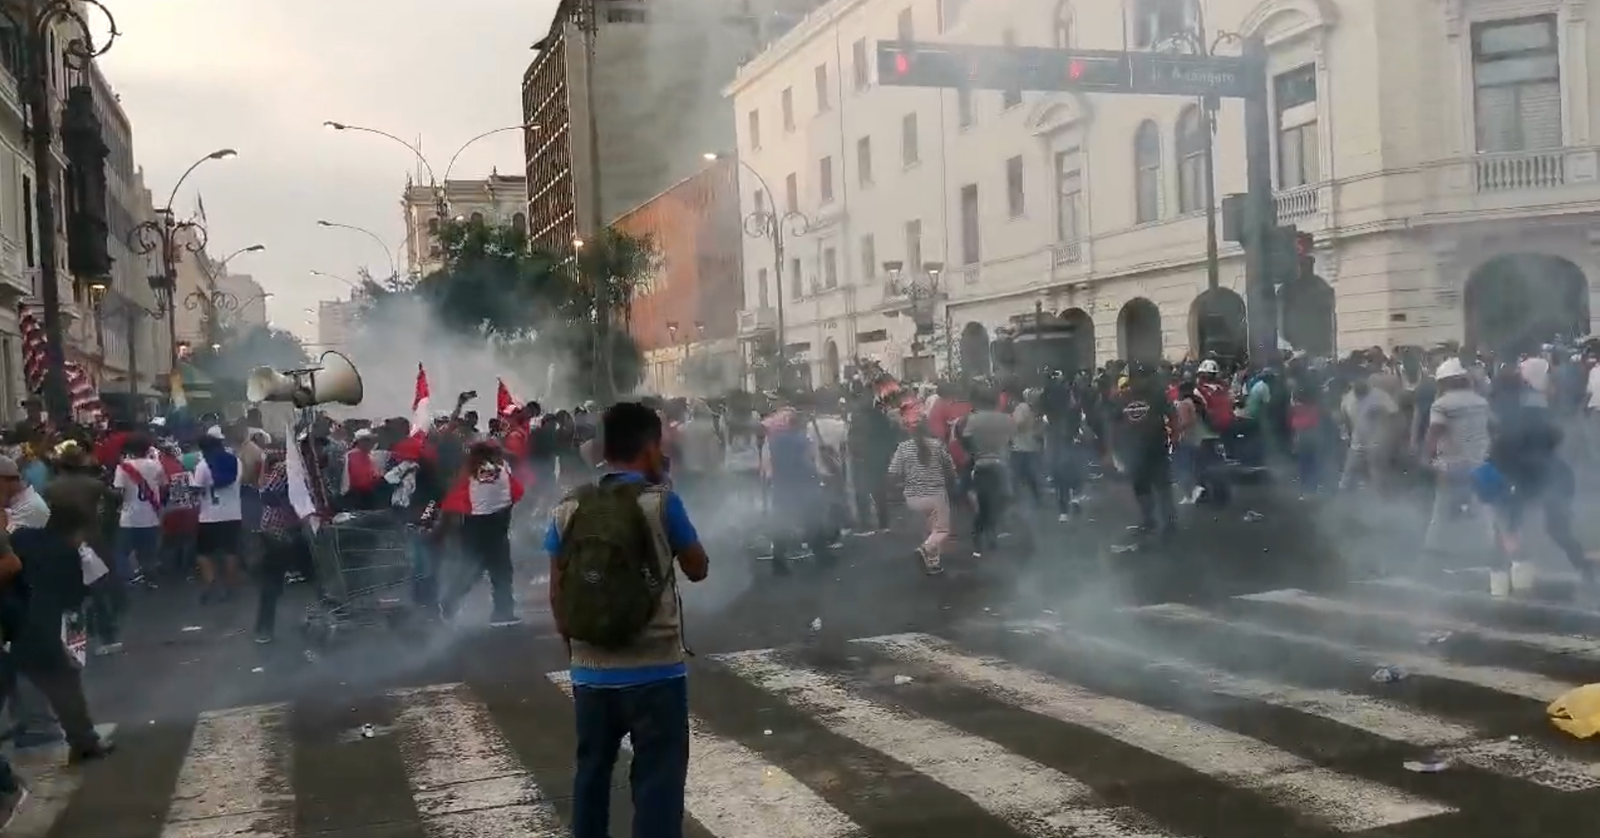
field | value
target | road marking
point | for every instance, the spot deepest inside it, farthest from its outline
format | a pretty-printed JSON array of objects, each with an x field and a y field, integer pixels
[
  {"x": 1586, "y": 647},
  {"x": 1500, "y": 679},
  {"x": 732, "y": 791},
  {"x": 1517, "y": 758},
  {"x": 236, "y": 779},
  {"x": 1034, "y": 799},
  {"x": 1482, "y": 598},
  {"x": 1347, "y": 803},
  {"x": 465, "y": 779}
]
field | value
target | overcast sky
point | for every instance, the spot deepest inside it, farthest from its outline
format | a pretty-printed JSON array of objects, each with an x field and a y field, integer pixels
[{"x": 261, "y": 77}]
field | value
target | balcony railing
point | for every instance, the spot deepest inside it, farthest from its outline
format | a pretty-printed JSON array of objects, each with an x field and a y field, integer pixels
[
  {"x": 1066, "y": 253},
  {"x": 757, "y": 320},
  {"x": 1298, "y": 202},
  {"x": 1513, "y": 171}
]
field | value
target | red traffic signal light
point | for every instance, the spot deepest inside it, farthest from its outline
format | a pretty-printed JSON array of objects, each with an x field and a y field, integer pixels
[
  {"x": 1304, "y": 244},
  {"x": 1075, "y": 69},
  {"x": 902, "y": 64}
]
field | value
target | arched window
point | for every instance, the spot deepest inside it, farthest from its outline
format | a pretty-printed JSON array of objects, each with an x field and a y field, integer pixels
[
  {"x": 1063, "y": 24},
  {"x": 1147, "y": 172},
  {"x": 477, "y": 218},
  {"x": 1191, "y": 160},
  {"x": 433, "y": 226},
  {"x": 519, "y": 222},
  {"x": 1155, "y": 21}
]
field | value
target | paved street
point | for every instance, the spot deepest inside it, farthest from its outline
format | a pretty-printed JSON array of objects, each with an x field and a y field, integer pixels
[{"x": 1199, "y": 690}]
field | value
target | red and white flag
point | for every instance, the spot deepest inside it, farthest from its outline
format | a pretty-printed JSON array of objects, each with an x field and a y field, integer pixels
[
  {"x": 505, "y": 405},
  {"x": 421, "y": 421}
]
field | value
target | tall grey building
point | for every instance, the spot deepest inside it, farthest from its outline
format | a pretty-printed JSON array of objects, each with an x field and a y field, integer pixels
[{"x": 659, "y": 70}]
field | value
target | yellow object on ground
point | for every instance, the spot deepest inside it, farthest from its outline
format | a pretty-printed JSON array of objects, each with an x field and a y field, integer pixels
[{"x": 1577, "y": 711}]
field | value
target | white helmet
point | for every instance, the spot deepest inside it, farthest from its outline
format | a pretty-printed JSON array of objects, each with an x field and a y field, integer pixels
[
  {"x": 1451, "y": 368},
  {"x": 1209, "y": 367}
]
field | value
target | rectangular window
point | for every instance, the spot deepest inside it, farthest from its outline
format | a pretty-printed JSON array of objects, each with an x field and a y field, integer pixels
[
  {"x": 1011, "y": 96},
  {"x": 825, "y": 182},
  {"x": 861, "y": 70},
  {"x": 830, "y": 268},
  {"x": 869, "y": 258},
  {"x": 1016, "y": 198},
  {"x": 1069, "y": 196},
  {"x": 760, "y": 201},
  {"x": 909, "y": 151},
  {"x": 824, "y": 102},
  {"x": 1516, "y": 78},
  {"x": 763, "y": 298},
  {"x": 913, "y": 246},
  {"x": 27, "y": 220},
  {"x": 864, "y": 161},
  {"x": 904, "y": 26},
  {"x": 950, "y": 14},
  {"x": 971, "y": 254},
  {"x": 1157, "y": 20},
  {"x": 796, "y": 281},
  {"x": 1295, "y": 98},
  {"x": 788, "y": 109},
  {"x": 964, "y": 112},
  {"x": 791, "y": 193},
  {"x": 755, "y": 129}
]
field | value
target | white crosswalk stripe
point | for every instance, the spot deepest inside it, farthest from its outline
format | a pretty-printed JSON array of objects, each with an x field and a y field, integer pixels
[{"x": 1253, "y": 697}]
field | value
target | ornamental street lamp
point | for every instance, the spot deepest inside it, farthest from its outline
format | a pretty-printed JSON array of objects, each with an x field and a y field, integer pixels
[
  {"x": 36, "y": 25},
  {"x": 767, "y": 222},
  {"x": 394, "y": 267},
  {"x": 169, "y": 238}
]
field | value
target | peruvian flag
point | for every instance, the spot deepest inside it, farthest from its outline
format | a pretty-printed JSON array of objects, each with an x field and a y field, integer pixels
[
  {"x": 420, "y": 420},
  {"x": 505, "y": 405}
]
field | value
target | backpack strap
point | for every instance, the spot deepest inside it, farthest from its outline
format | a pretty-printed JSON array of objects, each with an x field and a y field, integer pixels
[{"x": 653, "y": 500}]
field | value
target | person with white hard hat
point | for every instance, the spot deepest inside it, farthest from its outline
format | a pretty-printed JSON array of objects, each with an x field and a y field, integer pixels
[{"x": 1455, "y": 443}]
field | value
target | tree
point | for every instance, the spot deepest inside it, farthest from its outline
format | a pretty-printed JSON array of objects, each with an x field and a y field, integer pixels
[{"x": 534, "y": 304}]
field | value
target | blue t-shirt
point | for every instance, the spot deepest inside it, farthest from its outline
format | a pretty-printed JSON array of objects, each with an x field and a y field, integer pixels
[{"x": 681, "y": 535}]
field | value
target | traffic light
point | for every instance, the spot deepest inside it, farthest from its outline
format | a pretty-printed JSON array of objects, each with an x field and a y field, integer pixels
[
  {"x": 1304, "y": 250},
  {"x": 985, "y": 67}
]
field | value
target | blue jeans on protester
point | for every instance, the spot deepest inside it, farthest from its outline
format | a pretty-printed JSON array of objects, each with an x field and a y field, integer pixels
[{"x": 655, "y": 716}]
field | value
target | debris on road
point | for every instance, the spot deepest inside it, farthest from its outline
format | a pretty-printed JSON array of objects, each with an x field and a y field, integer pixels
[
  {"x": 1433, "y": 638},
  {"x": 368, "y": 731},
  {"x": 1388, "y": 674},
  {"x": 1124, "y": 548},
  {"x": 1426, "y": 765},
  {"x": 816, "y": 625},
  {"x": 258, "y": 670},
  {"x": 902, "y": 680},
  {"x": 767, "y": 732},
  {"x": 193, "y": 628},
  {"x": 1253, "y": 516}
]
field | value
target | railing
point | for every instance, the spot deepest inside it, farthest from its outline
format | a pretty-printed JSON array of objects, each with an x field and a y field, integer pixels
[
  {"x": 1298, "y": 202},
  {"x": 1511, "y": 171},
  {"x": 1066, "y": 253},
  {"x": 970, "y": 274},
  {"x": 753, "y": 321}
]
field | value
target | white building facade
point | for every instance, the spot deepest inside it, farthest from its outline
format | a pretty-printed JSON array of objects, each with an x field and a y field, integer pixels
[
  {"x": 497, "y": 199},
  {"x": 1442, "y": 153}
]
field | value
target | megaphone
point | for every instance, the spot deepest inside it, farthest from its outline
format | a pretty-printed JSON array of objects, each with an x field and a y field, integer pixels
[{"x": 333, "y": 380}]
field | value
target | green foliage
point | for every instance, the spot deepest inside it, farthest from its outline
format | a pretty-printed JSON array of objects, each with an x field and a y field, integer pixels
[{"x": 534, "y": 305}]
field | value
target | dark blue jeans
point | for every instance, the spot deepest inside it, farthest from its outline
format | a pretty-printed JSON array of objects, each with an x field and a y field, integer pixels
[{"x": 656, "y": 717}]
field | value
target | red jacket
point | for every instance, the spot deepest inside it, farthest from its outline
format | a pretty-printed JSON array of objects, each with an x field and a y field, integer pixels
[{"x": 474, "y": 495}]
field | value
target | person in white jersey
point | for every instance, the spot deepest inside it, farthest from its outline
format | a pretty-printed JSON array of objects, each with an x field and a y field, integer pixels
[
  {"x": 216, "y": 480},
  {"x": 141, "y": 479}
]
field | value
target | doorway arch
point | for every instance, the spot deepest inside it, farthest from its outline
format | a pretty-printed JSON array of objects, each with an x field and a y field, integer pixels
[
  {"x": 1517, "y": 301},
  {"x": 830, "y": 358},
  {"x": 1139, "y": 331},
  {"x": 975, "y": 360},
  {"x": 1082, "y": 340},
  {"x": 1217, "y": 323},
  {"x": 1308, "y": 316}
]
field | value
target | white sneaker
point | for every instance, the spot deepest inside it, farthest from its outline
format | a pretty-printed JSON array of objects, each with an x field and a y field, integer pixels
[
  {"x": 1063, "y": 518},
  {"x": 107, "y": 649}
]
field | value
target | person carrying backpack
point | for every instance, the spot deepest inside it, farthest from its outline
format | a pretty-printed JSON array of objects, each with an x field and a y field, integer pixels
[{"x": 614, "y": 550}]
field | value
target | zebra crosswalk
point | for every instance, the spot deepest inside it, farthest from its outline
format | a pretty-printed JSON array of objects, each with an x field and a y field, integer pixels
[{"x": 1254, "y": 716}]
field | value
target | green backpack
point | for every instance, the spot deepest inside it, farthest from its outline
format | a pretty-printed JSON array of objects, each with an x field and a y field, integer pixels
[{"x": 610, "y": 580}]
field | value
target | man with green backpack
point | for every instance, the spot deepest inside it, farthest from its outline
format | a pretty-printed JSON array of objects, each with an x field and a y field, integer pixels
[{"x": 614, "y": 551}]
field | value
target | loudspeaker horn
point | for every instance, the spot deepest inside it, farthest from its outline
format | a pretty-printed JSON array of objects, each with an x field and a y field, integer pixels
[{"x": 333, "y": 380}]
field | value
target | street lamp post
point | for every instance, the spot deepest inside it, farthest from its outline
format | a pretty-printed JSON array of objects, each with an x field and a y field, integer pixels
[
  {"x": 388, "y": 252},
  {"x": 768, "y": 223},
  {"x": 921, "y": 298},
  {"x": 441, "y": 199},
  {"x": 36, "y": 22},
  {"x": 170, "y": 237}
]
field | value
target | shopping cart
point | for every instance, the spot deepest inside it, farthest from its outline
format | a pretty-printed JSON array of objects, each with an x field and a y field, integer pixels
[{"x": 364, "y": 575}]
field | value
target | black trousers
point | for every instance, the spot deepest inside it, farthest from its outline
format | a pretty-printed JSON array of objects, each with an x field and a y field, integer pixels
[
  {"x": 59, "y": 678},
  {"x": 991, "y": 485},
  {"x": 1150, "y": 470},
  {"x": 278, "y": 558},
  {"x": 485, "y": 548},
  {"x": 871, "y": 490}
]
